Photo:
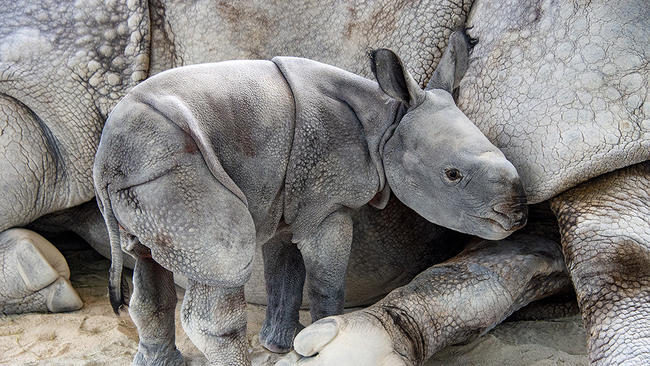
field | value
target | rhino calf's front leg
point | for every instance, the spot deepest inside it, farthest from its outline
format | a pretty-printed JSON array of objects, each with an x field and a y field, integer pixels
[
  {"x": 449, "y": 303},
  {"x": 325, "y": 256}
]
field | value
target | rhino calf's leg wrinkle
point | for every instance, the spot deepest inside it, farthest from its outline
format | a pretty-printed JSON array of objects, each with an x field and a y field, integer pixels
[
  {"x": 284, "y": 272},
  {"x": 152, "y": 310},
  {"x": 214, "y": 318},
  {"x": 605, "y": 226},
  {"x": 449, "y": 303},
  {"x": 326, "y": 256}
]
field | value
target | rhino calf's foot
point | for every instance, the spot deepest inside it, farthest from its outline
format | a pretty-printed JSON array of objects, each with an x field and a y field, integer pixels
[
  {"x": 284, "y": 271},
  {"x": 36, "y": 275},
  {"x": 278, "y": 338},
  {"x": 606, "y": 241}
]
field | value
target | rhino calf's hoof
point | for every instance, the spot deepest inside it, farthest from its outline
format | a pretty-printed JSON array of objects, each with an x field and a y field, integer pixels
[{"x": 279, "y": 339}]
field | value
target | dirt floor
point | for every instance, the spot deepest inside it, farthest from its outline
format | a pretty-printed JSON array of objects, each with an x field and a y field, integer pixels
[{"x": 95, "y": 336}]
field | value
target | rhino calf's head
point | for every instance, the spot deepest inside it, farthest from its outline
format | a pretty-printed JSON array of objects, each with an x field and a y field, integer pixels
[{"x": 438, "y": 162}]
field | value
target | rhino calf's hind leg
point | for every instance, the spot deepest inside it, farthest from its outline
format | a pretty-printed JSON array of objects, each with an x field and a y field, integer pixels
[
  {"x": 152, "y": 310},
  {"x": 605, "y": 226},
  {"x": 284, "y": 272},
  {"x": 214, "y": 318}
]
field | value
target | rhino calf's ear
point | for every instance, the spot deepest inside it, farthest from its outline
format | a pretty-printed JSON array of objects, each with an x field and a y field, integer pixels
[
  {"x": 453, "y": 64},
  {"x": 393, "y": 78}
]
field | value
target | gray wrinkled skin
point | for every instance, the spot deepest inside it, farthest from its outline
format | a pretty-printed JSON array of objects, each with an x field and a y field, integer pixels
[
  {"x": 198, "y": 164},
  {"x": 610, "y": 265},
  {"x": 341, "y": 34},
  {"x": 574, "y": 74},
  {"x": 561, "y": 88},
  {"x": 336, "y": 33},
  {"x": 63, "y": 66}
]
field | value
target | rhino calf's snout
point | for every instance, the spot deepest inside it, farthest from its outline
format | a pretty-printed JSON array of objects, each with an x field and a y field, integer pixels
[{"x": 512, "y": 216}]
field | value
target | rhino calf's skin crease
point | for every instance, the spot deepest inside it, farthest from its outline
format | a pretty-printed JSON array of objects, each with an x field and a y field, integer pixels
[{"x": 198, "y": 165}]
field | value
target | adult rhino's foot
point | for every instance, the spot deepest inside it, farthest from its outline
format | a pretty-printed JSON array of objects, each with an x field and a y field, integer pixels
[
  {"x": 366, "y": 337},
  {"x": 278, "y": 338},
  {"x": 34, "y": 275}
]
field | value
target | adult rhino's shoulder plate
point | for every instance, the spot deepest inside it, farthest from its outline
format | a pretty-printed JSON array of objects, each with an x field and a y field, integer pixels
[{"x": 561, "y": 88}]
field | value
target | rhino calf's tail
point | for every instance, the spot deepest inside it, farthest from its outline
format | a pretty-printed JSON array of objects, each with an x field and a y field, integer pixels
[{"x": 118, "y": 288}]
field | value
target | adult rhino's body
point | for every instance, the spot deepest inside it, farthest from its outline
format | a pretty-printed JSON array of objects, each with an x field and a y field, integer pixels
[
  {"x": 562, "y": 88},
  {"x": 602, "y": 44}
]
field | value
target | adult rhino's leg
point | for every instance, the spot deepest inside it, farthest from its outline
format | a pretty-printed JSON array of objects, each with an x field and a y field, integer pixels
[
  {"x": 152, "y": 310},
  {"x": 449, "y": 303},
  {"x": 33, "y": 274},
  {"x": 605, "y": 226},
  {"x": 284, "y": 272}
]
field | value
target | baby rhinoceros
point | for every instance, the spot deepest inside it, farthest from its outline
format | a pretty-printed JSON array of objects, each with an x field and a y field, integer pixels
[{"x": 199, "y": 164}]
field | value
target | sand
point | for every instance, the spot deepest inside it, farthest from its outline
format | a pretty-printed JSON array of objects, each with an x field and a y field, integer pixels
[{"x": 95, "y": 336}]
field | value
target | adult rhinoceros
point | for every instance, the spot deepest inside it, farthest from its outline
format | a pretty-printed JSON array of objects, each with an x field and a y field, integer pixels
[{"x": 339, "y": 34}]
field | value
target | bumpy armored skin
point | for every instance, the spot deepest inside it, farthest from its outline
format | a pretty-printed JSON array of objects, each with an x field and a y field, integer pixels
[
  {"x": 63, "y": 66},
  {"x": 605, "y": 228},
  {"x": 562, "y": 88}
]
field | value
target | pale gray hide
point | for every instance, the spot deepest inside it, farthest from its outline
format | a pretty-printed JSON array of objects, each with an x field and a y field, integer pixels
[
  {"x": 562, "y": 88},
  {"x": 201, "y": 163}
]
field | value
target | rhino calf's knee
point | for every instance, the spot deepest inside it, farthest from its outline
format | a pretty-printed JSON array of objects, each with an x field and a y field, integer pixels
[{"x": 200, "y": 164}]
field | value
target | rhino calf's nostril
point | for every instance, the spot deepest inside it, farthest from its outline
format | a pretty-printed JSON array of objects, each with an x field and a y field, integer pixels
[{"x": 516, "y": 214}]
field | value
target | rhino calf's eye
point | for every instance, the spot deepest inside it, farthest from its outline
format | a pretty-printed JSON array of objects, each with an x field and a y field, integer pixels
[{"x": 453, "y": 175}]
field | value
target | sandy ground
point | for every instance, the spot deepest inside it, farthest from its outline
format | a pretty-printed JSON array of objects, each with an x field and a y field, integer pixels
[{"x": 95, "y": 336}]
